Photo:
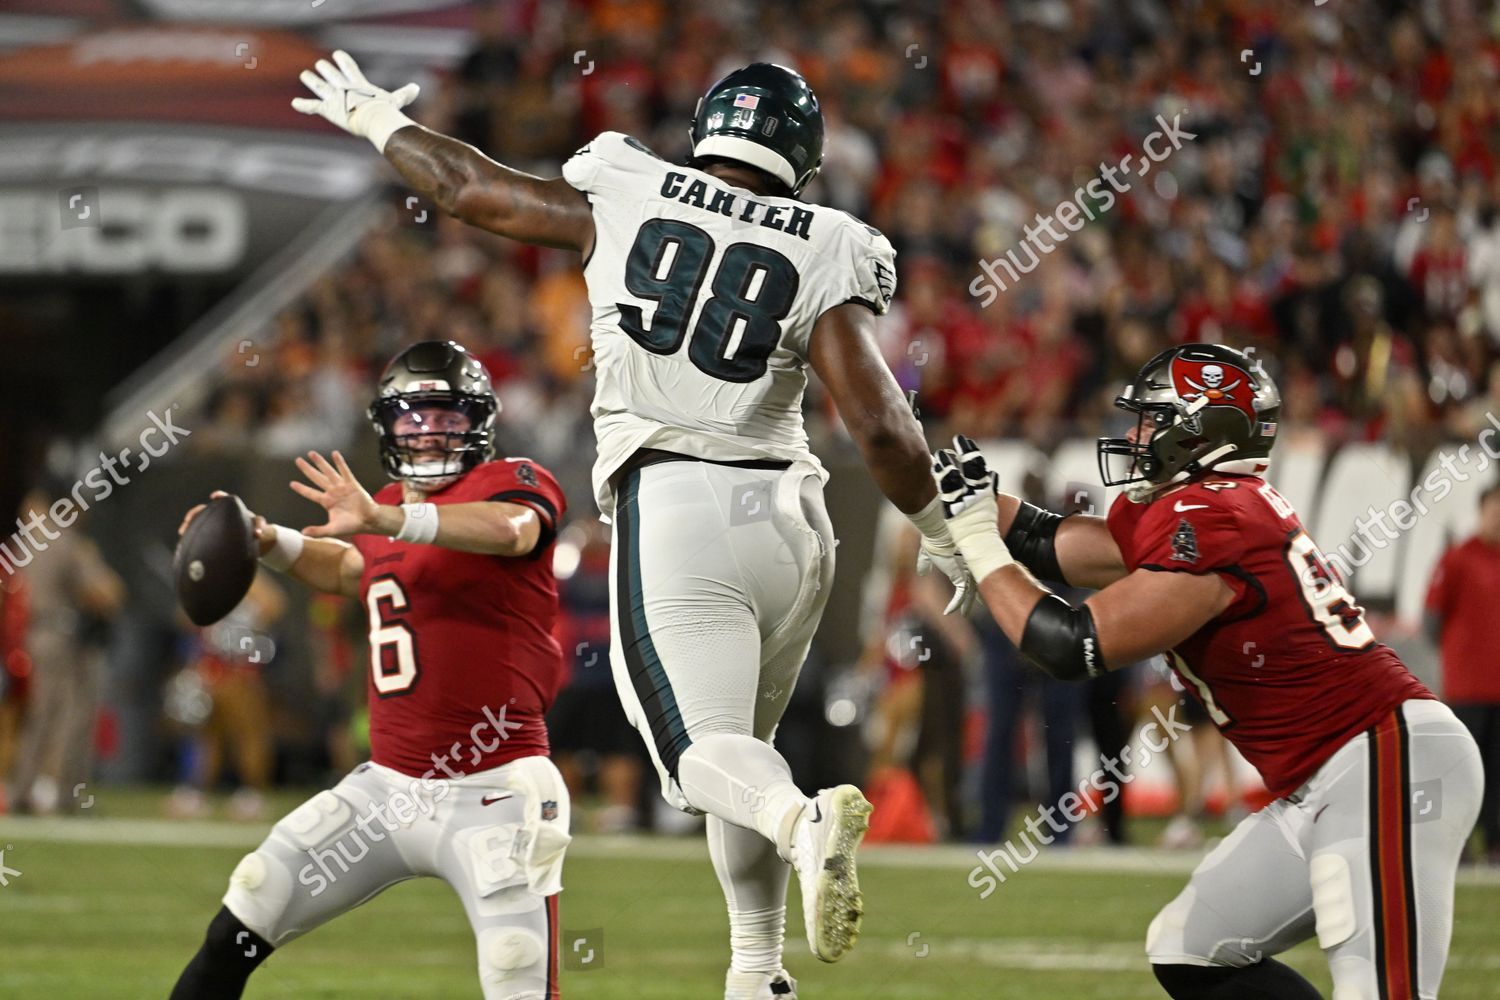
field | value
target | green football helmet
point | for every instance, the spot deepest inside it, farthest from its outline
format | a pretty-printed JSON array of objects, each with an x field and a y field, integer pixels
[{"x": 765, "y": 116}]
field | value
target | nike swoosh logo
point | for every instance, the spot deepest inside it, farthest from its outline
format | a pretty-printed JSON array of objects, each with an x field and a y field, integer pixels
[
  {"x": 490, "y": 800},
  {"x": 817, "y": 812},
  {"x": 1180, "y": 508}
]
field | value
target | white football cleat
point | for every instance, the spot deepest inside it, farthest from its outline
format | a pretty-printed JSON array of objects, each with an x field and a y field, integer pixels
[
  {"x": 759, "y": 986},
  {"x": 823, "y": 843}
]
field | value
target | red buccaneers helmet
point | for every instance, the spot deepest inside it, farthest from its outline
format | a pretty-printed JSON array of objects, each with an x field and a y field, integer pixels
[
  {"x": 427, "y": 376},
  {"x": 1199, "y": 408}
]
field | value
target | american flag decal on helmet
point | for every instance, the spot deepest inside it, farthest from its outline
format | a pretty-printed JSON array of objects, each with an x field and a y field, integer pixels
[{"x": 746, "y": 101}]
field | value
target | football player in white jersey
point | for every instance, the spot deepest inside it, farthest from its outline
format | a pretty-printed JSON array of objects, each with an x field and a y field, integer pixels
[{"x": 713, "y": 288}]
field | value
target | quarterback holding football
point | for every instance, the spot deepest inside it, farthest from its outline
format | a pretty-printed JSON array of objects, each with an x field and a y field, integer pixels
[
  {"x": 1199, "y": 558},
  {"x": 452, "y": 563}
]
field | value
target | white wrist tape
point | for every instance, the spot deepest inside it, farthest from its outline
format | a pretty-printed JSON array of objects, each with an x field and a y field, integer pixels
[
  {"x": 930, "y": 521},
  {"x": 285, "y": 551},
  {"x": 379, "y": 121},
  {"x": 978, "y": 537},
  {"x": 984, "y": 554},
  {"x": 421, "y": 524}
]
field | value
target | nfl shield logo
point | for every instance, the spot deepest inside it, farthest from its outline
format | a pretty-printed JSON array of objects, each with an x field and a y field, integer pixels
[
  {"x": 746, "y": 101},
  {"x": 549, "y": 810}
]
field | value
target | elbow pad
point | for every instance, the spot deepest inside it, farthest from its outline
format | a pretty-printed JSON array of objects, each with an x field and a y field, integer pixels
[
  {"x": 1062, "y": 640},
  {"x": 1031, "y": 540}
]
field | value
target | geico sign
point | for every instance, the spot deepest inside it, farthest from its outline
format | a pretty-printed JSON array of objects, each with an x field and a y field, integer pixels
[{"x": 201, "y": 230}]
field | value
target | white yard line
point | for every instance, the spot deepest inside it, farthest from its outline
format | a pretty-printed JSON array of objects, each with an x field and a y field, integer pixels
[{"x": 947, "y": 857}]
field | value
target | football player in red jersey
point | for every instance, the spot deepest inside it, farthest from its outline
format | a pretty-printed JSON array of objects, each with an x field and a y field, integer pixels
[
  {"x": 451, "y": 562},
  {"x": 1376, "y": 782}
]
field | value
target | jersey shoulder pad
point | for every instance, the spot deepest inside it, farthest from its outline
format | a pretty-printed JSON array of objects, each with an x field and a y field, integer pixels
[
  {"x": 518, "y": 480},
  {"x": 608, "y": 153},
  {"x": 866, "y": 262},
  {"x": 1193, "y": 530}
]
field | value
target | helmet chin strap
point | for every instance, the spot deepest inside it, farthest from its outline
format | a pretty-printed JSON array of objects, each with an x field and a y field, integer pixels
[{"x": 1142, "y": 492}]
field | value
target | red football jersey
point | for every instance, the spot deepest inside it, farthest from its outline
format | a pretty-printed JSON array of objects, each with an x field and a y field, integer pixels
[
  {"x": 464, "y": 661},
  {"x": 1289, "y": 671}
]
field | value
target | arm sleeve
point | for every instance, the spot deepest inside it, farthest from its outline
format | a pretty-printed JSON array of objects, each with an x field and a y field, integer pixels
[
  {"x": 1207, "y": 538},
  {"x": 605, "y": 162},
  {"x": 865, "y": 264},
  {"x": 524, "y": 482},
  {"x": 1199, "y": 541},
  {"x": 856, "y": 264}
]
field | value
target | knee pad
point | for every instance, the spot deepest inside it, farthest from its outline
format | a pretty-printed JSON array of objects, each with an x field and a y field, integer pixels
[
  {"x": 1166, "y": 936},
  {"x": 513, "y": 964},
  {"x": 259, "y": 889},
  {"x": 505, "y": 951},
  {"x": 250, "y": 873},
  {"x": 1333, "y": 899}
]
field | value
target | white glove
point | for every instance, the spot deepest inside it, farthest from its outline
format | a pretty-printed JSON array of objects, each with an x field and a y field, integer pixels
[
  {"x": 951, "y": 564},
  {"x": 967, "y": 489},
  {"x": 353, "y": 103}
]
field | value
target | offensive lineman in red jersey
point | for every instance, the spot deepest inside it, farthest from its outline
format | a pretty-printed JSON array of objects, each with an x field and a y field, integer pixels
[
  {"x": 452, "y": 564},
  {"x": 1377, "y": 783}
]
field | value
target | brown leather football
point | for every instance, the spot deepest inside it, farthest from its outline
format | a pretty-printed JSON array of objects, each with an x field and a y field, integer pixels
[{"x": 215, "y": 560}]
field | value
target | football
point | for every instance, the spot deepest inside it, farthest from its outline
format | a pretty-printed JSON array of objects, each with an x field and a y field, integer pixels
[{"x": 215, "y": 560}]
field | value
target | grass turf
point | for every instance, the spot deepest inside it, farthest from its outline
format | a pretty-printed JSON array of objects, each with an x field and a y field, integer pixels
[{"x": 102, "y": 919}]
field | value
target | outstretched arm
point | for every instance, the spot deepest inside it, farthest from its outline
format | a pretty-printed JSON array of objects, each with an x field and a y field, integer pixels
[
  {"x": 327, "y": 564},
  {"x": 466, "y": 184},
  {"x": 1140, "y": 615},
  {"x": 844, "y": 354},
  {"x": 488, "y": 527},
  {"x": 460, "y": 179},
  {"x": 1077, "y": 549}
]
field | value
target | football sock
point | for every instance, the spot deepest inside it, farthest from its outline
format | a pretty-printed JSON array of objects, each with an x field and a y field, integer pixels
[
  {"x": 742, "y": 780},
  {"x": 754, "y": 882},
  {"x": 1265, "y": 980},
  {"x": 230, "y": 952}
]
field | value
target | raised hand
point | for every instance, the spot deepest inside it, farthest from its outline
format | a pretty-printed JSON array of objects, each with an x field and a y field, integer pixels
[
  {"x": 354, "y": 104},
  {"x": 334, "y": 488}
]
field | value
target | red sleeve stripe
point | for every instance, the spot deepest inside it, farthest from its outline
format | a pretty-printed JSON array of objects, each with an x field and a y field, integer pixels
[{"x": 552, "y": 991}]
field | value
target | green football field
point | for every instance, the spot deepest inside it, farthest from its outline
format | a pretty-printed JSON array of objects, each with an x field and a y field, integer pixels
[{"x": 111, "y": 906}]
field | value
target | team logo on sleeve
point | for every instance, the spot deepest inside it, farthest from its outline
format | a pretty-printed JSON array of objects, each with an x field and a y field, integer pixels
[
  {"x": 1221, "y": 384},
  {"x": 549, "y": 810},
  {"x": 885, "y": 282},
  {"x": 1185, "y": 543},
  {"x": 526, "y": 474}
]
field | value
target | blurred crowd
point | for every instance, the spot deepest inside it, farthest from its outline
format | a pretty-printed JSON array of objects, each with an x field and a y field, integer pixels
[{"x": 1335, "y": 204}]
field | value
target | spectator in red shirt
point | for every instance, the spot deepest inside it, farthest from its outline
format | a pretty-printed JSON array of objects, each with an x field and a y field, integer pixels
[{"x": 1460, "y": 611}]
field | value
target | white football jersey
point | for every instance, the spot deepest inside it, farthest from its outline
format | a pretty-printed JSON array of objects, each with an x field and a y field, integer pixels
[{"x": 703, "y": 299}]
